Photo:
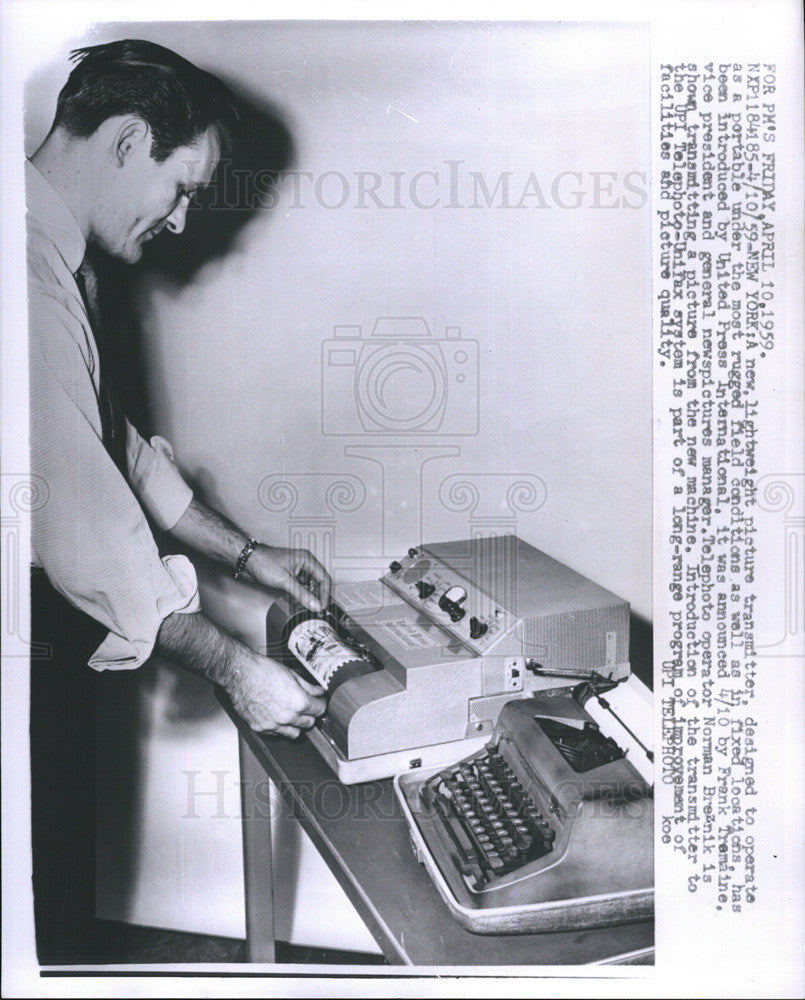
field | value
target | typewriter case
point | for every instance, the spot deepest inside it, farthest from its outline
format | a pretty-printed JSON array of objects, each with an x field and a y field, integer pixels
[{"x": 600, "y": 869}]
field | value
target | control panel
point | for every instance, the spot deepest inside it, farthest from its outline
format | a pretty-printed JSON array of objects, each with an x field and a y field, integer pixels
[{"x": 443, "y": 596}]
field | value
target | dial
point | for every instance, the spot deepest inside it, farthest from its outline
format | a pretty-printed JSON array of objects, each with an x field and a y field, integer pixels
[
  {"x": 417, "y": 571},
  {"x": 455, "y": 595},
  {"x": 450, "y": 601}
]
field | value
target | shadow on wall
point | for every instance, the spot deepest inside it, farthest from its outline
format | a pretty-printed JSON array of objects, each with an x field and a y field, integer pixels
[{"x": 243, "y": 185}]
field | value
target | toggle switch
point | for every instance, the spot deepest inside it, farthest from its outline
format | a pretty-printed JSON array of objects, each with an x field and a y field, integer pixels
[
  {"x": 450, "y": 601},
  {"x": 455, "y": 595},
  {"x": 477, "y": 628}
]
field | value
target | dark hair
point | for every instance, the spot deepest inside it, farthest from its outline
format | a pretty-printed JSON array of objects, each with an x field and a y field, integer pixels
[{"x": 178, "y": 100}]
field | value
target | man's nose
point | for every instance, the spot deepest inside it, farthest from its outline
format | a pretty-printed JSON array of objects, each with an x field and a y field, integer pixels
[{"x": 178, "y": 217}]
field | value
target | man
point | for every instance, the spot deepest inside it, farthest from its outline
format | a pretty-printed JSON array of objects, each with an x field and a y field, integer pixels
[{"x": 137, "y": 131}]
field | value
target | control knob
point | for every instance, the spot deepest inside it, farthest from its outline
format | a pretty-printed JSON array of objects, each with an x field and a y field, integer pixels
[{"x": 450, "y": 602}]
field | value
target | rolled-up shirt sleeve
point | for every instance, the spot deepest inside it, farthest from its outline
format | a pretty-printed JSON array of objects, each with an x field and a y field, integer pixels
[
  {"x": 91, "y": 536},
  {"x": 156, "y": 481}
]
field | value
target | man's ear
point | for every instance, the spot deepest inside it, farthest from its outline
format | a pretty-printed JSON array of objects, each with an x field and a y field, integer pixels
[{"x": 131, "y": 134}]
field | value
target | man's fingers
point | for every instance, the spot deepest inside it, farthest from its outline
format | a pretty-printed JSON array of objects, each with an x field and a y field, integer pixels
[
  {"x": 317, "y": 707},
  {"x": 277, "y": 700},
  {"x": 299, "y": 700},
  {"x": 301, "y": 594},
  {"x": 311, "y": 571},
  {"x": 315, "y": 702},
  {"x": 312, "y": 706},
  {"x": 313, "y": 689},
  {"x": 290, "y": 731}
]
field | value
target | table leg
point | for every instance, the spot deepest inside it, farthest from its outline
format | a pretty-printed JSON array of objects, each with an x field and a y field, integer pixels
[{"x": 258, "y": 878}]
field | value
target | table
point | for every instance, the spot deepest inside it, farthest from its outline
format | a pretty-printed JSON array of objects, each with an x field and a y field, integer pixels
[{"x": 362, "y": 836}]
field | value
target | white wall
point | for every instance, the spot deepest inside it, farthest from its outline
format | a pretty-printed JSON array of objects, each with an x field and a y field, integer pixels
[{"x": 557, "y": 299}]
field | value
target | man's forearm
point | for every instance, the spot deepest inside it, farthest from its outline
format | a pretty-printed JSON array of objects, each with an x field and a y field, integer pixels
[
  {"x": 195, "y": 643},
  {"x": 296, "y": 571},
  {"x": 210, "y": 533},
  {"x": 266, "y": 694}
]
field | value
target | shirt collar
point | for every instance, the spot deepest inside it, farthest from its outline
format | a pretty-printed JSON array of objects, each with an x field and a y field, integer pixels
[{"x": 54, "y": 217}]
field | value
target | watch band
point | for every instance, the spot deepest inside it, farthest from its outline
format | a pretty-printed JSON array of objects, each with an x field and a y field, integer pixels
[{"x": 243, "y": 558}]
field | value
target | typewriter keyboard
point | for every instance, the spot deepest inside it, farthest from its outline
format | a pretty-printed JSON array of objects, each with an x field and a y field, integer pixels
[{"x": 493, "y": 825}]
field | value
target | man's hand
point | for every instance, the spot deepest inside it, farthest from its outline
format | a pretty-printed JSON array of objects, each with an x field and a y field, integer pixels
[
  {"x": 271, "y": 698},
  {"x": 296, "y": 571}
]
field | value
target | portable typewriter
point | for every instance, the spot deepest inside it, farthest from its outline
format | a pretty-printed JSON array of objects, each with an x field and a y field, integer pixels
[
  {"x": 492, "y": 654},
  {"x": 548, "y": 827}
]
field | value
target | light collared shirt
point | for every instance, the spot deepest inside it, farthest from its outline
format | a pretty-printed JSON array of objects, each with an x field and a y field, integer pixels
[{"x": 91, "y": 535}]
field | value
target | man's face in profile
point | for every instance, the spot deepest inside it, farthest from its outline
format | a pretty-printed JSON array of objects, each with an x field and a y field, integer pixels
[{"x": 144, "y": 197}]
